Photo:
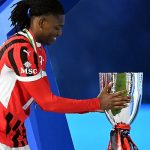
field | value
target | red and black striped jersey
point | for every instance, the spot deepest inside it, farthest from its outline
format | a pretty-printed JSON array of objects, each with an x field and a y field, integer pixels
[{"x": 23, "y": 79}]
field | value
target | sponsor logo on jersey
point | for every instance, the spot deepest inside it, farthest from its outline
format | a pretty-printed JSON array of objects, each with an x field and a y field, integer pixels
[
  {"x": 28, "y": 71},
  {"x": 41, "y": 60}
]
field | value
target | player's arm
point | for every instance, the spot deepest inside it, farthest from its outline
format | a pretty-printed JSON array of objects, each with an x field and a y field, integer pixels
[{"x": 43, "y": 95}]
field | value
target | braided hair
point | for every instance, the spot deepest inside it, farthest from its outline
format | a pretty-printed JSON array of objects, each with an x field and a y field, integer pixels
[{"x": 25, "y": 9}]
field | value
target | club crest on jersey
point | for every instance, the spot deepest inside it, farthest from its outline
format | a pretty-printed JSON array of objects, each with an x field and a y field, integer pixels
[{"x": 27, "y": 64}]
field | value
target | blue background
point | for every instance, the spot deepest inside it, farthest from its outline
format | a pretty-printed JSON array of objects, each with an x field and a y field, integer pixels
[
  {"x": 99, "y": 36},
  {"x": 102, "y": 36}
]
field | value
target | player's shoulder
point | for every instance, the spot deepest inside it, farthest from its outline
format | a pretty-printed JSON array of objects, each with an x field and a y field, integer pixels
[{"x": 17, "y": 40}]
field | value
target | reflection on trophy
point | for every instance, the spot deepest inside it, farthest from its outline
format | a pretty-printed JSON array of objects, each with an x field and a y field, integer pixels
[{"x": 122, "y": 118}]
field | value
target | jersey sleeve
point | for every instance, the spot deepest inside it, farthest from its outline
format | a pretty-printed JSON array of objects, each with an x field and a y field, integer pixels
[
  {"x": 41, "y": 92},
  {"x": 24, "y": 62}
]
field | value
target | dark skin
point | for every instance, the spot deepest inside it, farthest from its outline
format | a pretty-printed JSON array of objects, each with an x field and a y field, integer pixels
[
  {"x": 46, "y": 29},
  {"x": 112, "y": 100}
]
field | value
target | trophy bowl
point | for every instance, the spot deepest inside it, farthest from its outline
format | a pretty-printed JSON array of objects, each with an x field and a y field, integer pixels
[{"x": 122, "y": 118}]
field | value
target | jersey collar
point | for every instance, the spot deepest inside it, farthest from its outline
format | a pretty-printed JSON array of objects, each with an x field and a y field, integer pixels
[{"x": 28, "y": 34}]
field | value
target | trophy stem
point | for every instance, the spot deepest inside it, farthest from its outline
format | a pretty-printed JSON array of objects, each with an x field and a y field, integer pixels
[{"x": 120, "y": 138}]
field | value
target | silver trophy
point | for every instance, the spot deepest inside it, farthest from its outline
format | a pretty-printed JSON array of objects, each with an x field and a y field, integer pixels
[{"x": 122, "y": 118}]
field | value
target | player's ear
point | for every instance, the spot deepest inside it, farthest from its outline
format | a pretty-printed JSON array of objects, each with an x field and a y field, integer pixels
[{"x": 41, "y": 22}]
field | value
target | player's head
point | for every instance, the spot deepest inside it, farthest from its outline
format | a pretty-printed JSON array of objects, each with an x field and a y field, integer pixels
[{"x": 44, "y": 17}]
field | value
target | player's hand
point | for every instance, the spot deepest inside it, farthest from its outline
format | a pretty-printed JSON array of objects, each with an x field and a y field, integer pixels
[{"x": 112, "y": 100}]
